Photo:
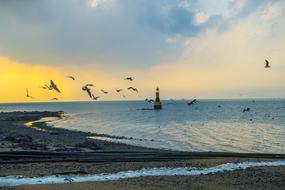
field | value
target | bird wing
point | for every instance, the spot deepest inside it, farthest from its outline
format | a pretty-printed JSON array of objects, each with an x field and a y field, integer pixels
[
  {"x": 266, "y": 61},
  {"x": 71, "y": 77},
  {"x": 56, "y": 89},
  {"x": 89, "y": 92},
  {"x": 52, "y": 83},
  {"x": 48, "y": 87}
]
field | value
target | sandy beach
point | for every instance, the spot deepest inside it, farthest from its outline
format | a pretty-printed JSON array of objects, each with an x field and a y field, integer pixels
[{"x": 19, "y": 134}]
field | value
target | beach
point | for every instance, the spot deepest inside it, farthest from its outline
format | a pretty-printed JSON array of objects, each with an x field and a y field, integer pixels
[{"x": 31, "y": 148}]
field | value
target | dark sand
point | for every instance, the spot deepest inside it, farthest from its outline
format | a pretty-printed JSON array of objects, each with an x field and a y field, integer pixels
[{"x": 15, "y": 135}]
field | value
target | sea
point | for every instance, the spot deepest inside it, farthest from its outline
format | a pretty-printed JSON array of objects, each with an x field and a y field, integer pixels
[{"x": 208, "y": 125}]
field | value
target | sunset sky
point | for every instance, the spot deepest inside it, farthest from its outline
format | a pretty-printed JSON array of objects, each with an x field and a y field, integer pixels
[{"x": 189, "y": 48}]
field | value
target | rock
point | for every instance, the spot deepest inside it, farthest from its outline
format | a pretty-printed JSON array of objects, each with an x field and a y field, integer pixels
[
  {"x": 88, "y": 144},
  {"x": 68, "y": 149}
]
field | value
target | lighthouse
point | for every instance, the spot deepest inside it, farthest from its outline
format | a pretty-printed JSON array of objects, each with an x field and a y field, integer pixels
[{"x": 157, "y": 103}]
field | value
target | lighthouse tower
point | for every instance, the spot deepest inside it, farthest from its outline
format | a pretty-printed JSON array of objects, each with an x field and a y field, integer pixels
[{"x": 157, "y": 103}]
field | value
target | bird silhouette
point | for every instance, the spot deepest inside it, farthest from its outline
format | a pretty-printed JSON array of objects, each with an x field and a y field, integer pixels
[
  {"x": 118, "y": 90},
  {"x": 267, "y": 64},
  {"x": 89, "y": 85},
  {"x": 54, "y": 99},
  {"x": 43, "y": 87},
  {"x": 48, "y": 87},
  {"x": 88, "y": 90},
  {"x": 129, "y": 78},
  {"x": 134, "y": 89},
  {"x": 71, "y": 77},
  {"x": 54, "y": 86},
  {"x": 105, "y": 92},
  {"x": 95, "y": 97},
  {"x": 28, "y": 95},
  {"x": 192, "y": 102},
  {"x": 149, "y": 100},
  {"x": 246, "y": 110}
]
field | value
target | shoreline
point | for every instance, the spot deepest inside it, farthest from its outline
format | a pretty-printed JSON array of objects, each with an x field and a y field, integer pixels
[
  {"x": 18, "y": 129},
  {"x": 31, "y": 151}
]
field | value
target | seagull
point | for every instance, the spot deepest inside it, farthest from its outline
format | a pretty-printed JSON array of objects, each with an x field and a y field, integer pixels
[
  {"x": 43, "y": 87},
  {"x": 54, "y": 99},
  {"x": 134, "y": 89},
  {"x": 71, "y": 77},
  {"x": 246, "y": 110},
  {"x": 192, "y": 102},
  {"x": 118, "y": 90},
  {"x": 89, "y": 85},
  {"x": 88, "y": 90},
  {"x": 149, "y": 100},
  {"x": 129, "y": 78},
  {"x": 53, "y": 86},
  {"x": 266, "y": 64},
  {"x": 28, "y": 95},
  {"x": 95, "y": 97},
  {"x": 105, "y": 92},
  {"x": 48, "y": 87}
]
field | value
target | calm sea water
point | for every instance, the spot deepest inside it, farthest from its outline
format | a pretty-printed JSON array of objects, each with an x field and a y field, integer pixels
[{"x": 209, "y": 125}]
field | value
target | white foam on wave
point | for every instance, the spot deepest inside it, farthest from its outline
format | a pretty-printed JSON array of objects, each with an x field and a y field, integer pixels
[{"x": 182, "y": 171}]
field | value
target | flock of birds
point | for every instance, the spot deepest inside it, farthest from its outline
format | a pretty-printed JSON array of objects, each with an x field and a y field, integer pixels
[{"x": 86, "y": 88}]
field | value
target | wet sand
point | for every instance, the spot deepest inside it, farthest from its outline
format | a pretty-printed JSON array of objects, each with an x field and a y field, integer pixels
[
  {"x": 250, "y": 179},
  {"x": 16, "y": 136}
]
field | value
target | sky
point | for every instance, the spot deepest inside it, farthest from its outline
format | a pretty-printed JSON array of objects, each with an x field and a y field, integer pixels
[{"x": 189, "y": 48}]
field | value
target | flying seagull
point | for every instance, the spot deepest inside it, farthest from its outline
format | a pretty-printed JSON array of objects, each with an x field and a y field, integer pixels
[
  {"x": 28, "y": 95},
  {"x": 129, "y": 78},
  {"x": 54, "y": 99},
  {"x": 95, "y": 97},
  {"x": 118, "y": 90},
  {"x": 149, "y": 100},
  {"x": 43, "y": 87},
  {"x": 89, "y": 85},
  {"x": 48, "y": 87},
  {"x": 134, "y": 89},
  {"x": 266, "y": 64},
  {"x": 88, "y": 90},
  {"x": 54, "y": 86},
  {"x": 105, "y": 92},
  {"x": 192, "y": 102},
  {"x": 71, "y": 77}
]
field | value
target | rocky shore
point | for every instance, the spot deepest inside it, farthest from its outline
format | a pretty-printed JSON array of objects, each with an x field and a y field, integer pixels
[{"x": 22, "y": 132}]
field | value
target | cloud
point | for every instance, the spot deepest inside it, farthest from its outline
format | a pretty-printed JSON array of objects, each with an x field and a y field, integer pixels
[
  {"x": 127, "y": 34},
  {"x": 200, "y": 18},
  {"x": 97, "y": 3},
  {"x": 272, "y": 11},
  {"x": 183, "y": 46}
]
